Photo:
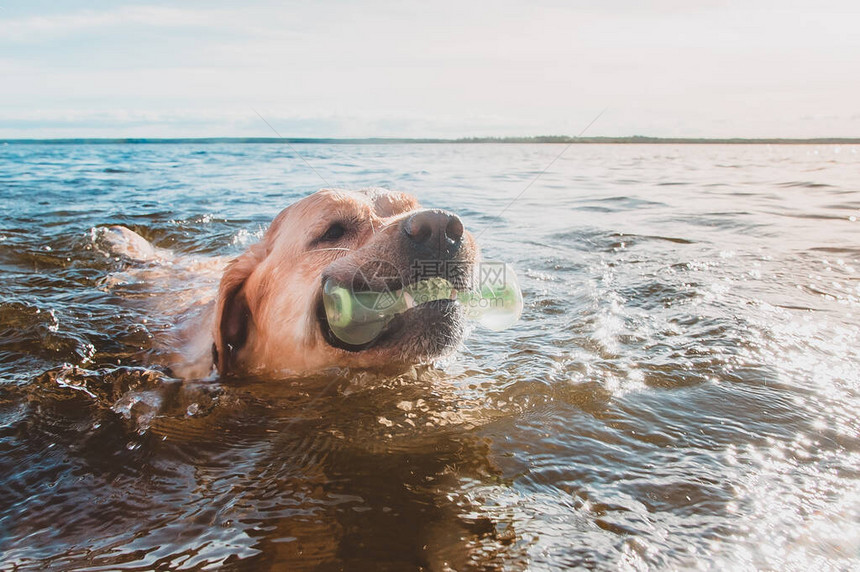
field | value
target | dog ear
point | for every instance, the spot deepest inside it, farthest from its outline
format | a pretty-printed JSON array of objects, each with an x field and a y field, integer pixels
[
  {"x": 233, "y": 318},
  {"x": 390, "y": 203}
]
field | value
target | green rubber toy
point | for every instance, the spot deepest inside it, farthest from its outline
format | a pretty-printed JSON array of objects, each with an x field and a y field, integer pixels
[{"x": 360, "y": 317}]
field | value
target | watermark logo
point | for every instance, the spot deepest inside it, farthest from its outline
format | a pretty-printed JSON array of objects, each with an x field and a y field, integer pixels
[
  {"x": 428, "y": 280},
  {"x": 491, "y": 275},
  {"x": 379, "y": 274}
]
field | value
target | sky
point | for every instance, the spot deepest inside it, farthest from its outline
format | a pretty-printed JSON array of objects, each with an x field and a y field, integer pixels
[{"x": 322, "y": 68}]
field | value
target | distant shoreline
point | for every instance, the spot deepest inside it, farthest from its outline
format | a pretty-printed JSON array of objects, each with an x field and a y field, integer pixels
[{"x": 636, "y": 139}]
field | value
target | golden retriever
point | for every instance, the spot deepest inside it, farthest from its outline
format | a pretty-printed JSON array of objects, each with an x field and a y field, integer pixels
[{"x": 268, "y": 317}]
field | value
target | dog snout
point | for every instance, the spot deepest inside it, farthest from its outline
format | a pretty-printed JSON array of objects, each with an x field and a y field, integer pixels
[{"x": 433, "y": 234}]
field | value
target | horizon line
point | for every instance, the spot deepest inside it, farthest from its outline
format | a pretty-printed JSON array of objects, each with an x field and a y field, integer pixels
[{"x": 542, "y": 139}]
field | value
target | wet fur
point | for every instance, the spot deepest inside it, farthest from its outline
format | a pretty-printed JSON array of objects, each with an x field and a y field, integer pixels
[{"x": 264, "y": 318}]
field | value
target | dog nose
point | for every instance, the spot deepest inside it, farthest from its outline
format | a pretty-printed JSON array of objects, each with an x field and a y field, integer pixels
[
  {"x": 434, "y": 231},
  {"x": 433, "y": 226}
]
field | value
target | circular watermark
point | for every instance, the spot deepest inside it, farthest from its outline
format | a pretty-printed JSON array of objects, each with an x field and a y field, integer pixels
[{"x": 378, "y": 275}]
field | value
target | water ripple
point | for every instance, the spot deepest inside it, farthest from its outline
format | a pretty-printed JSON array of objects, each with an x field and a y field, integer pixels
[{"x": 680, "y": 392}]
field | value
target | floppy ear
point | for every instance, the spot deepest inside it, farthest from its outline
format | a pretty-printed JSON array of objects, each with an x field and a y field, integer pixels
[{"x": 233, "y": 318}]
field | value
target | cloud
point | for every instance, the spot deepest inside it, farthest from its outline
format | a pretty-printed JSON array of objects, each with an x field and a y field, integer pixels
[
  {"x": 429, "y": 69},
  {"x": 243, "y": 122},
  {"x": 34, "y": 29}
]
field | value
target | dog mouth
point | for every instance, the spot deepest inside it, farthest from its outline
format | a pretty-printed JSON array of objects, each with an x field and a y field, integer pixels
[
  {"x": 423, "y": 309},
  {"x": 332, "y": 340},
  {"x": 388, "y": 336}
]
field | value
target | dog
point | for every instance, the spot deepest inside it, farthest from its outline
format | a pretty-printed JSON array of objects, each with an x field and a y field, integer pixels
[{"x": 268, "y": 317}]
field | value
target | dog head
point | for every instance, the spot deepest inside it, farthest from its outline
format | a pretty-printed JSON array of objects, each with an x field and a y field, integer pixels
[{"x": 270, "y": 316}]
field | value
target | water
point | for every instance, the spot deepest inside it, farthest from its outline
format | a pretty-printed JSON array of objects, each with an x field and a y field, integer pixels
[{"x": 681, "y": 391}]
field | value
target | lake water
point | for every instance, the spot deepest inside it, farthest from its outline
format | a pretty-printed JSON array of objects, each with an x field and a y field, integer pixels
[{"x": 681, "y": 392}]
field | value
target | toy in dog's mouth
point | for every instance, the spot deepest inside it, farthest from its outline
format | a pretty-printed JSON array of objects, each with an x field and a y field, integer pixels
[{"x": 355, "y": 320}]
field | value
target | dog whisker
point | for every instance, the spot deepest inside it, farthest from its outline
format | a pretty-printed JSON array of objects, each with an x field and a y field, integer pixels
[
  {"x": 267, "y": 313},
  {"x": 341, "y": 248}
]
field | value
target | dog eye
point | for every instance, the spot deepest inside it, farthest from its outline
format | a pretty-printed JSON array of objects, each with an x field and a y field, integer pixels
[{"x": 334, "y": 232}]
